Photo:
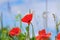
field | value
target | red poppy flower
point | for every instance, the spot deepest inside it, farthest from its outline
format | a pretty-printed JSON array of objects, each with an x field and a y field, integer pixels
[
  {"x": 46, "y": 35},
  {"x": 15, "y": 31},
  {"x": 43, "y": 35},
  {"x": 58, "y": 36},
  {"x": 42, "y": 32},
  {"x": 38, "y": 37},
  {"x": 27, "y": 18}
]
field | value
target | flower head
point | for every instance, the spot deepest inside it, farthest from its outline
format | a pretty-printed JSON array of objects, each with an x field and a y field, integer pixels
[
  {"x": 58, "y": 36},
  {"x": 42, "y": 32},
  {"x": 15, "y": 31},
  {"x": 27, "y": 18},
  {"x": 43, "y": 35}
]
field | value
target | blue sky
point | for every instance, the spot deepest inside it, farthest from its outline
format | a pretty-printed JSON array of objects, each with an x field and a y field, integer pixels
[{"x": 38, "y": 6}]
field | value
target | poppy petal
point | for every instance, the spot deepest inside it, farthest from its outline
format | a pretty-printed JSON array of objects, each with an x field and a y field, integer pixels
[
  {"x": 15, "y": 31},
  {"x": 27, "y": 18},
  {"x": 42, "y": 32}
]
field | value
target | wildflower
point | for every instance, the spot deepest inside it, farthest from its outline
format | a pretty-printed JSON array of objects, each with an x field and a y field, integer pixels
[
  {"x": 43, "y": 35},
  {"x": 27, "y": 18},
  {"x": 58, "y": 36},
  {"x": 15, "y": 31},
  {"x": 42, "y": 32}
]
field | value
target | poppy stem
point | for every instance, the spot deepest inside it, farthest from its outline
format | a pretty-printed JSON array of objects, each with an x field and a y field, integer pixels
[
  {"x": 21, "y": 23},
  {"x": 28, "y": 32},
  {"x": 57, "y": 28},
  {"x": 57, "y": 25},
  {"x": 33, "y": 34},
  {"x": 28, "y": 36},
  {"x": 15, "y": 38}
]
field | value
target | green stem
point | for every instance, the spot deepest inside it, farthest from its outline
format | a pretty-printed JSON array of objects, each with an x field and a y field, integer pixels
[
  {"x": 33, "y": 34},
  {"x": 21, "y": 23},
  {"x": 57, "y": 28},
  {"x": 15, "y": 38},
  {"x": 1, "y": 21},
  {"x": 28, "y": 36}
]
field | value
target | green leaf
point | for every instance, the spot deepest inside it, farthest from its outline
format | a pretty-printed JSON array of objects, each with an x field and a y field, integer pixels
[{"x": 21, "y": 37}]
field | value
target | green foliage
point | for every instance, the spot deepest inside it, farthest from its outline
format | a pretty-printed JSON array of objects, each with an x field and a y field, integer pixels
[
  {"x": 18, "y": 17},
  {"x": 5, "y": 36},
  {"x": 21, "y": 37},
  {"x": 4, "y": 32},
  {"x": 33, "y": 38}
]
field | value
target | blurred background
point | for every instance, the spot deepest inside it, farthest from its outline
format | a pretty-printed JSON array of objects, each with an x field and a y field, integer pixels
[{"x": 10, "y": 8}]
